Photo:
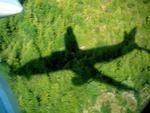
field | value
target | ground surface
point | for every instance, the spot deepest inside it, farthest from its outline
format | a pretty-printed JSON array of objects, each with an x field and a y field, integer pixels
[{"x": 40, "y": 31}]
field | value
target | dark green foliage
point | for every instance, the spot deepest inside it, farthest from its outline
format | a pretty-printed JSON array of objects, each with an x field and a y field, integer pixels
[
  {"x": 38, "y": 33},
  {"x": 106, "y": 108}
]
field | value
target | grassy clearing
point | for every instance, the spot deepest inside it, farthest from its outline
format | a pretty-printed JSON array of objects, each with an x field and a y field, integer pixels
[{"x": 40, "y": 30}]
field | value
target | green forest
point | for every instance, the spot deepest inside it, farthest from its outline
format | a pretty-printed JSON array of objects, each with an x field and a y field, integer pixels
[{"x": 78, "y": 56}]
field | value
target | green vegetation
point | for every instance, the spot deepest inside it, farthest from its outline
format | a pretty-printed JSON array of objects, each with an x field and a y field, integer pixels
[{"x": 40, "y": 31}]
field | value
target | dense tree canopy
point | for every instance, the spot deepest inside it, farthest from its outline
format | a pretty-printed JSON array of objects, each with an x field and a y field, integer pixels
[{"x": 39, "y": 31}]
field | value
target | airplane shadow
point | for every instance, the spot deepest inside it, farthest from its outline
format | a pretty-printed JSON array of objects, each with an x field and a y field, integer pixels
[{"x": 82, "y": 61}]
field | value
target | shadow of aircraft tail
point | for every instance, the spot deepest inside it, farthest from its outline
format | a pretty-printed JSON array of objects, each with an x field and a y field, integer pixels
[{"x": 130, "y": 38}]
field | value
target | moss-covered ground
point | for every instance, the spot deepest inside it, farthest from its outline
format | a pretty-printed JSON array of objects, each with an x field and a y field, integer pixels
[{"x": 39, "y": 31}]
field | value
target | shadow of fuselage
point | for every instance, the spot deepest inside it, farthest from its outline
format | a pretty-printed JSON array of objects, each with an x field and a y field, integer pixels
[{"x": 82, "y": 61}]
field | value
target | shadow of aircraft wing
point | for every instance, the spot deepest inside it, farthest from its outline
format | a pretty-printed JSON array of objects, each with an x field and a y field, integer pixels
[
  {"x": 143, "y": 49},
  {"x": 108, "y": 80},
  {"x": 87, "y": 73}
]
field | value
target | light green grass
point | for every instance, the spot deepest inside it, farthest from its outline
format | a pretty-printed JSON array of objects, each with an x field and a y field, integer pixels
[{"x": 39, "y": 30}]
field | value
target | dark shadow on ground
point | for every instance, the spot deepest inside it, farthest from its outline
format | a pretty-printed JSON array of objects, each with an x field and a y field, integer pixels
[
  {"x": 22, "y": 1},
  {"x": 146, "y": 108},
  {"x": 82, "y": 61}
]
